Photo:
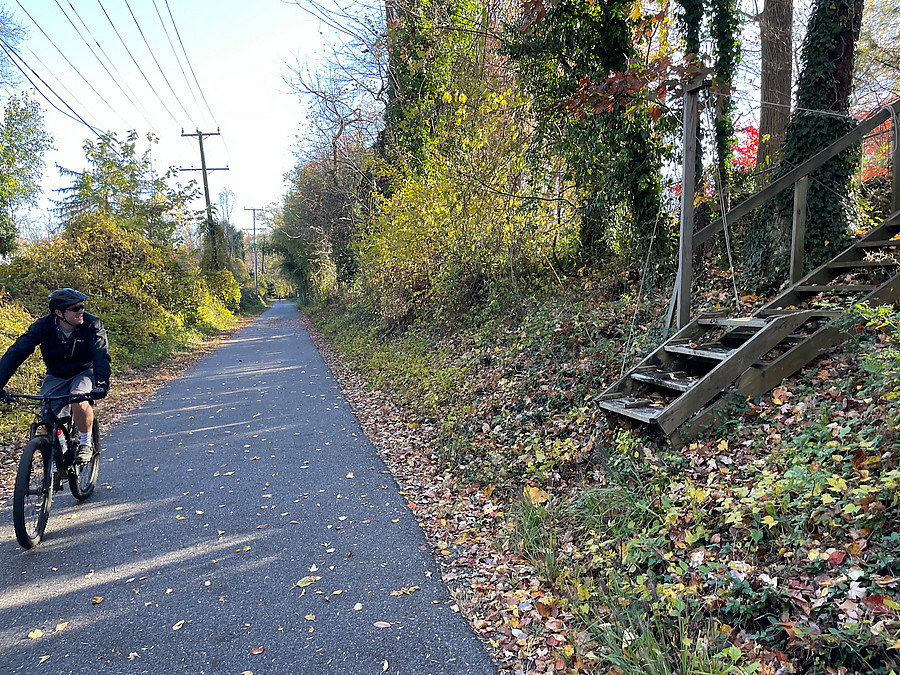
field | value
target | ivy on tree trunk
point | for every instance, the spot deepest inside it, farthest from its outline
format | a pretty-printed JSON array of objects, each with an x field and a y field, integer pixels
[{"x": 821, "y": 118}]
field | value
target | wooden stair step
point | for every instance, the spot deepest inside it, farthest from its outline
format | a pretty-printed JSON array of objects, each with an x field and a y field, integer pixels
[
  {"x": 834, "y": 289},
  {"x": 712, "y": 351},
  {"x": 851, "y": 264},
  {"x": 643, "y": 409},
  {"x": 679, "y": 381},
  {"x": 883, "y": 243},
  {"x": 778, "y": 311},
  {"x": 745, "y": 322}
]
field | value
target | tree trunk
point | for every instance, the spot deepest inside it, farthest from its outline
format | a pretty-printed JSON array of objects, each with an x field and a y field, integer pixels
[
  {"x": 776, "y": 22},
  {"x": 843, "y": 52}
]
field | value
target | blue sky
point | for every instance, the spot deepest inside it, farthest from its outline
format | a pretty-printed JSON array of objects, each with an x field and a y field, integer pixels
[{"x": 238, "y": 50}]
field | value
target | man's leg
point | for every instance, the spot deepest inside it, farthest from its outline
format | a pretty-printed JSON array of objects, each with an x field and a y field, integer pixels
[{"x": 83, "y": 415}]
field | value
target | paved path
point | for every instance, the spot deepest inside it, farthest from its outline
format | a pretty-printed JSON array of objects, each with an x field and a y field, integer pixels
[{"x": 230, "y": 486}]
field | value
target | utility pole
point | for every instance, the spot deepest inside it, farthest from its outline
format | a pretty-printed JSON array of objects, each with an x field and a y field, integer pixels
[
  {"x": 262, "y": 254},
  {"x": 255, "y": 269},
  {"x": 214, "y": 256}
]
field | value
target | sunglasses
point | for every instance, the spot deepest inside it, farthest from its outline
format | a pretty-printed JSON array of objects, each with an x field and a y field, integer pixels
[{"x": 76, "y": 308}]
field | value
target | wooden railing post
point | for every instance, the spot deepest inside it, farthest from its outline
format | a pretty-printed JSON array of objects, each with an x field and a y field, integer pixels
[
  {"x": 688, "y": 185},
  {"x": 798, "y": 231},
  {"x": 895, "y": 164}
]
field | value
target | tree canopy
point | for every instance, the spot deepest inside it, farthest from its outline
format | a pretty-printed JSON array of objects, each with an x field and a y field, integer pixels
[
  {"x": 23, "y": 142},
  {"x": 120, "y": 181}
]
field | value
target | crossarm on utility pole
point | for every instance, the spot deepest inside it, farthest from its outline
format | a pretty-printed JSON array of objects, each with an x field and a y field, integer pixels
[{"x": 214, "y": 258}]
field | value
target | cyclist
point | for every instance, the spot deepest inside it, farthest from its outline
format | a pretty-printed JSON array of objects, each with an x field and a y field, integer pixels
[{"x": 75, "y": 350}]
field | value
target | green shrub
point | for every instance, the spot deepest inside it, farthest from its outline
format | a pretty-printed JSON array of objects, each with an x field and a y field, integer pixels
[
  {"x": 150, "y": 298},
  {"x": 223, "y": 289},
  {"x": 14, "y": 320},
  {"x": 251, "y": 303}
]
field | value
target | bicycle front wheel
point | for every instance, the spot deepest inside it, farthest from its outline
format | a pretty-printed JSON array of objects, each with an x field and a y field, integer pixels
[
  {"x": 83, "y": 477},
  {"x": 33, "y": 492}
]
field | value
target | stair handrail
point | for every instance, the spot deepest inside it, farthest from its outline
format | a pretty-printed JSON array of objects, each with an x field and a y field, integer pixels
[{"x": 763, "y": 195}]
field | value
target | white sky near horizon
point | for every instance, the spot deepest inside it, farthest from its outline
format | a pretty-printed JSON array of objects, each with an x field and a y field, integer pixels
[{"x": 240, "y": 52}]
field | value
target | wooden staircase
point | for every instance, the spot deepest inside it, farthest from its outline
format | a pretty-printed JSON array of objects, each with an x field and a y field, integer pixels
[{"x": 683, "y": 385}]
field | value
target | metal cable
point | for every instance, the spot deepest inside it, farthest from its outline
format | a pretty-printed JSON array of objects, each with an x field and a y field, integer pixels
[
  {"x": 196, "y": 81},
  {"x": 159, "y": 67},
  {"x": 720, "y": 188},
  {"x": 12, "y": 54},
  {"x": 134, "y": 99},
  {"x": 137, "y": 65}
]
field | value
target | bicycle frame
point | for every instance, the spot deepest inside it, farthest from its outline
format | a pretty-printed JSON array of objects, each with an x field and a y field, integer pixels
[{"x": 55, "y": 425}]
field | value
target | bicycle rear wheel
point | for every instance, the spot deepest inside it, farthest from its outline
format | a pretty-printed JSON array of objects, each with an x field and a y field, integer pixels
[
  {"x": 83, "y": 477},
  {"x": 33, "y": 492}
]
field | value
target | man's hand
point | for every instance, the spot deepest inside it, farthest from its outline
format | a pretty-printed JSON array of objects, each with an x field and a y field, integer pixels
[
  {"x": 6, "y": 397},
  {"x": 101, "y": 389}
]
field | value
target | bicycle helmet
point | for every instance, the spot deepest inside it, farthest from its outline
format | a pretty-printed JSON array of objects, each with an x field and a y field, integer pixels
[{"x": 64, "y": 297}]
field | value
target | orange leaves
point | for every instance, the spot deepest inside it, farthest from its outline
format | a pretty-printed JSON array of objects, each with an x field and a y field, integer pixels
[
  {"x": 535, "y": 495},
  {"x": 880, "y": 603}
]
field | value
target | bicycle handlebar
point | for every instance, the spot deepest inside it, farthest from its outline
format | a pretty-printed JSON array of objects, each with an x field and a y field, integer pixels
[{"x": 10, "y": 397}]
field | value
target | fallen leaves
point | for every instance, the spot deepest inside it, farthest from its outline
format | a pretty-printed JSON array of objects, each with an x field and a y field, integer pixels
[
  {"x": 307, "y": 581},
  {"x": 535, "y": 495},
  {"x": 460, "y": 521}
]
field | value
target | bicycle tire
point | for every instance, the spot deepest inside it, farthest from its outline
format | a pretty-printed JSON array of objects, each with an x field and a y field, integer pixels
[
  {"x": 83, "y": 477},
  {"x": 33, "y": 493}
]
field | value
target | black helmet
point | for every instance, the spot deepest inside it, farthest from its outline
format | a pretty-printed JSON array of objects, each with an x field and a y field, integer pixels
[{"x": 64, "y": 297}]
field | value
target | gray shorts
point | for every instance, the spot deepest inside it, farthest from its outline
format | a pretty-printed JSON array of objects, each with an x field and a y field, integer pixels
[{"x": 60, "y": 386}]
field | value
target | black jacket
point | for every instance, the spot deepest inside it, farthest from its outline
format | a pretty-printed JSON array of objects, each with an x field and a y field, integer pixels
[{"x": 85, "y": 348}]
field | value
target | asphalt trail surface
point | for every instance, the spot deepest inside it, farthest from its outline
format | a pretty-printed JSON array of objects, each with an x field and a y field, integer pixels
[{"x": 227, "y": 488}]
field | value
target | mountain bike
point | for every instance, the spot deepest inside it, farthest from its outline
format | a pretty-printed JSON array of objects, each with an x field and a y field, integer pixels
[{"x": 49, "y": 460}]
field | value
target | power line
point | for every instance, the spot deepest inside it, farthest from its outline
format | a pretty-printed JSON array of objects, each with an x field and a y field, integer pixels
[
  {"x": 187, "y": 58},
  {"x": 159, "y": 67},
  {"x": 66, "y": 89},
  {"x": 140, "y": 109},
  {"x": 13, "y": 55},
  {"x": 175, "y": 53},
  {"x": 140, "y": 70},
  {"x": 66, "y": 58}
]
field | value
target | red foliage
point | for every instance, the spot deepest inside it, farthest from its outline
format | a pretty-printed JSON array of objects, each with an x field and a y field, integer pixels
[
  {"x": 745, "y": 148},
  {"x": 876, "y": 149}
]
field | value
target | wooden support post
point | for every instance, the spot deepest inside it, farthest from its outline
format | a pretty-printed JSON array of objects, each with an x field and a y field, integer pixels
[
  {"x": 895, "y": 164},
  {"x": 688, "y": 185},
  {"x": 798, "y": 231}
]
